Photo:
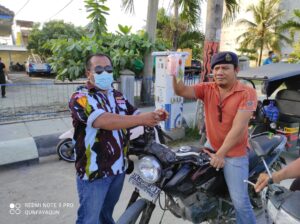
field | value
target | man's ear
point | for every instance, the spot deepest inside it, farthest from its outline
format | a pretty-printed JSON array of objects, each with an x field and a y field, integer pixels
[
  {"x": 237, "y": 69},
  {"x": 87, "y": 73}
]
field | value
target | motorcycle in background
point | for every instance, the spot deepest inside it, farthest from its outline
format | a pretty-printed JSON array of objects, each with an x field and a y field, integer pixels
[{"x": 65, "y": 147}]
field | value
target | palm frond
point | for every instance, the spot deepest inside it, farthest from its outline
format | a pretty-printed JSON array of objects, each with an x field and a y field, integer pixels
[
  {"x": 246, "y": 23},
  {"x": 128, "y": 6},
  {"x": 232, "y": 9},
  {"x": 191, "y": 11}
]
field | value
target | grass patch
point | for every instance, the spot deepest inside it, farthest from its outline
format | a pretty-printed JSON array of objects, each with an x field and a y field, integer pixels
[{"x": 191, "y": 135}]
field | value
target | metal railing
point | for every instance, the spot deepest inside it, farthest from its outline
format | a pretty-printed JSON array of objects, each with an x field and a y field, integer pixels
[{"x": 42, "y": 100}]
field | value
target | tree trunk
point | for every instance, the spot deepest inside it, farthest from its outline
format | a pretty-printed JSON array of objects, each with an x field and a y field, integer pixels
[
  {"x": 212, "y": 34},
  {"x": 211, "y": 46},
  {"x": 148, "y": 59},
  {"x": 260, "y": 51},
  {"x": 176, "y": 17}
]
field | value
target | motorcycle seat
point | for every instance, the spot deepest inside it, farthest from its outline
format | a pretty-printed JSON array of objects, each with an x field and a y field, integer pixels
[
  {"x": 291, "y": 204},
  {"x": 288, "y": 103},
  {"x": 264, "y": 144}
]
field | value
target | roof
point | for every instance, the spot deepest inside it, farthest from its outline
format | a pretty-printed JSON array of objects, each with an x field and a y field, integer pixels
[
  {"x": 6, "y": 11},
  {"x": 274, "y": 75},
  {"x": 271, "y": 72}
]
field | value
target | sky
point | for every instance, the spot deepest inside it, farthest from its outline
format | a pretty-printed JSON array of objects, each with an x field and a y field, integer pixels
[{"x": 74, "y": 12}]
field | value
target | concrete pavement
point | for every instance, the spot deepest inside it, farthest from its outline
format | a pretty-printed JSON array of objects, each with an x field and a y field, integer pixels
[{"x": 28, "y": 141}]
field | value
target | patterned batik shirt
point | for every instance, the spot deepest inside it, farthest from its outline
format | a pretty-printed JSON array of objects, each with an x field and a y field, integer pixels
[{"x": 99, "y": 152}]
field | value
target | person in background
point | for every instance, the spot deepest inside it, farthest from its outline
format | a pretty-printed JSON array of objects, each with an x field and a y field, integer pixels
[
  {"x": 269, "y": 59},
  {"x": 101, "y": 116},
  {"x": 3, "y": 77}
]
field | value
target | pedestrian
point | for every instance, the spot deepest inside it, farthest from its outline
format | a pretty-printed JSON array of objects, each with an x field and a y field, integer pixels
[
  {"x": 228, "y": 106},
  {"x": 101, "y": 116},
  {"x": 3, "y": 77},
  {"x": 269, "y": 59}
]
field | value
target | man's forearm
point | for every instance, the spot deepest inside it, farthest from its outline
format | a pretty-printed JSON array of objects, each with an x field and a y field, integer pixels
[
  {"x": 109, "y": 121},
  {"x": 233, "y": 137},
  {"x": 178, "y": 86},
  {"x": 290, "y": 171}
]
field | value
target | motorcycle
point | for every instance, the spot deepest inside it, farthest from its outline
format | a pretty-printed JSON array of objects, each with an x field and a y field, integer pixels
[
  {"x": 65, "y": 147},
  {"x": 279, "y": 110},
  {"x": 193, "y": 189},
  {"x": 281, "y": 205}
]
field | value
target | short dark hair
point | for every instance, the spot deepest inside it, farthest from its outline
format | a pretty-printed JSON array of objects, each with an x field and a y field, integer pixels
[
  {"x": 88, "y": 59},
  {"x": 270, "y": 52}
]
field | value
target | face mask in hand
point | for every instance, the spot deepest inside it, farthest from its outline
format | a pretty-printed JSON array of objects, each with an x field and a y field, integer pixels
[{"x": 104, "y": 80}]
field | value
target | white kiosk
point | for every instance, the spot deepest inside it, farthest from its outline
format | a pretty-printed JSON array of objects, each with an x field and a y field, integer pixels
[{"x": 167, "y": 64}]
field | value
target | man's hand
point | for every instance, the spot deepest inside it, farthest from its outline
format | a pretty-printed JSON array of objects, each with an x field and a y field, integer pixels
[
  {"x": 149, "y": 119},
  {"x": 216, "y": 161},
  {"x": 163, "y": 114},
  {"x": 262, "y": 181}
]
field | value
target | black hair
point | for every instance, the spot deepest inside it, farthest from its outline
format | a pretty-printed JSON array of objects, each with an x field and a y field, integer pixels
[
  {"x": 270, "y": 52},
  {"x": 88, "y": 59}
]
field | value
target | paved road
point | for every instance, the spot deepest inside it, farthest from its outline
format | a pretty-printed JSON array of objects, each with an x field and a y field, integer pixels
[
  {"x": 50, "y": 183},
  {"x": 49, "y": 187}
]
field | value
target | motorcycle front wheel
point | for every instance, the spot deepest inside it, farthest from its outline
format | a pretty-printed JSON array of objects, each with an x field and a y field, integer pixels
[
  {"x": 65, "y": 150},
  {"x": 132, "y": 213}
]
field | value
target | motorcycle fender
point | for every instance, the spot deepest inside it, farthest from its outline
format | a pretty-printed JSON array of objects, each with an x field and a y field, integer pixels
[{"x": 67, "y": 134}]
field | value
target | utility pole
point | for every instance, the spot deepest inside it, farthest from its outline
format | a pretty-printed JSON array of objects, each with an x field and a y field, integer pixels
[{"x": 148, "y": 68}]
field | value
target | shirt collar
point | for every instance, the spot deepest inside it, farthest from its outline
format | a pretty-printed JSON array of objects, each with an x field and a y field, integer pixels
[{"x": 91, "y": 87}]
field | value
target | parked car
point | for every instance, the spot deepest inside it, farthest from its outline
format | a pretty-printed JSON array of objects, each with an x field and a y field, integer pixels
[
  {"x": 194, "y": 69},
  {"x": 35, "y": 65}
]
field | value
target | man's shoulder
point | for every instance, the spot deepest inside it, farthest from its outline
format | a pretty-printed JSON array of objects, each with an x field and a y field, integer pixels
[{"x": 80, "y": 92}]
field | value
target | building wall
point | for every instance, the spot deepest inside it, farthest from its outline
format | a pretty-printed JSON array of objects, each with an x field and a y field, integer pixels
[
  {"x": 14, "y": 56},
  {"x": 231, "y": 32}
]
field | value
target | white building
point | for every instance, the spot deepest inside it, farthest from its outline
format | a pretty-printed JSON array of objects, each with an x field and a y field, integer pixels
[{"x": 230, "y": 33}]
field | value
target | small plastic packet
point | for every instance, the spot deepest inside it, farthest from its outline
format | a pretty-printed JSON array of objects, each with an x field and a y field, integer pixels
[{"x": 174, "y": 64}]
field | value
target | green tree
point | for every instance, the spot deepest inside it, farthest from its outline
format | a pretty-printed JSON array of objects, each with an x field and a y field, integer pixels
[
  {"x": 189, "y": 37},
  {"x": 55, "y": 29},
  {"x": 264, "y": 31},
  {"x": 293, "y": 25},
  {"x": 295, "y": 55},
  {"x": 124, "y": 30},
  {"x": 97, "y": 11}
]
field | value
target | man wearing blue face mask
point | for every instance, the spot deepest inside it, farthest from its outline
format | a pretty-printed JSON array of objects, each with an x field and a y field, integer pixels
[
  {"x": 269, "y": 59},
  {"x": 101, "y": 116}
]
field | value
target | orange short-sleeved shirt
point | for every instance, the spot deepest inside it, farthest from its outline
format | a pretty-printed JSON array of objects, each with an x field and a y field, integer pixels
[{"x": 240, "y": 98}]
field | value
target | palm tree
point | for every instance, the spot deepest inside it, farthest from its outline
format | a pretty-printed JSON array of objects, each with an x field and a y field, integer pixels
[
  {"x": 188, "y": 37},
  {"x": 191, "y": 8},
  {"x": 293, "y": 25},
  {"x": 265, "y": 30}
]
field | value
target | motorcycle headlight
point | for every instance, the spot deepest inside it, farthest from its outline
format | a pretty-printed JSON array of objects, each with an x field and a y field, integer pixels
[{"x": 149, "y": 169}]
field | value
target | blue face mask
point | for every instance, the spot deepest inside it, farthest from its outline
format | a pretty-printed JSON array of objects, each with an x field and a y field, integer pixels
[{"x": 104, "y": 80}]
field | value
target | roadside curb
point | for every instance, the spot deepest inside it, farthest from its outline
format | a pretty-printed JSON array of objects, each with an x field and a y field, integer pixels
[{"x": 27, "y": 150}]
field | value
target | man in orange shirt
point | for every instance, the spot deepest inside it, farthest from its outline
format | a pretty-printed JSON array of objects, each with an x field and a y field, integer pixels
[{"x": 228, "y": 106}]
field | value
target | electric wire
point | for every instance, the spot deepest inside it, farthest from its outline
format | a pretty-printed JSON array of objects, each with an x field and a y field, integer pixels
[
  {"x": 61, "y": 9},
  {"x": 22, "y": 7}
]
